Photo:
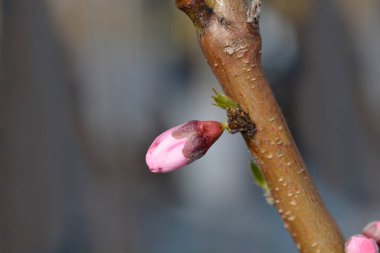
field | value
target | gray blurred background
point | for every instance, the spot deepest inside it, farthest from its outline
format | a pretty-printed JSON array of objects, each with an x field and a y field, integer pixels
[{"x": 86, "y": 85}]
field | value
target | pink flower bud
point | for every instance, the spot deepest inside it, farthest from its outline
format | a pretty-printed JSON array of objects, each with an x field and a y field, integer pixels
[
  {"x": 372, "y": 230},
  {"x": 361, "y": 244},
  {"x": 182, "y": 145}
]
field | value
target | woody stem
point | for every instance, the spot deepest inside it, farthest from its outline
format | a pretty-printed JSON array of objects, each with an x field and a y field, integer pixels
[{"x": 232, "y": 47}]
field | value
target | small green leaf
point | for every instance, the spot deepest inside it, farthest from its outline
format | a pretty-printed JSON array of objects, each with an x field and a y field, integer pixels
[
  {"x": 223, "y": 101},
  {"x": 259, "y": 178}
]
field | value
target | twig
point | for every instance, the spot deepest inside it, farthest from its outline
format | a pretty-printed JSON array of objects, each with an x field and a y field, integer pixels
[{"x": 229, "y": 36}]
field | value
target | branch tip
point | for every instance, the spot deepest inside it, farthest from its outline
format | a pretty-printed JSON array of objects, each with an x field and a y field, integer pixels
[
  {"x": 253, "y": 12},
  {"x": 197, "y": 10}
]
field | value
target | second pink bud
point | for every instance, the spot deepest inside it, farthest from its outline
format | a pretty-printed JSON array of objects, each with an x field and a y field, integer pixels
[
  {"x": 372, "y": 230},
  {"x": 361, "y": 244}
]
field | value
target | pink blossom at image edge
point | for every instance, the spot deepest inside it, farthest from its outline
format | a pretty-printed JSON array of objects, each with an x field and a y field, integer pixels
[
  {"x": 361, "y": 244},
  {"x": 372, "y": 230}
]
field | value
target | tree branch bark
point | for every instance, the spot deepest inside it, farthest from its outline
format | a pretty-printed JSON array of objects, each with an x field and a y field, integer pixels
[{"x": 232, "y": 47}]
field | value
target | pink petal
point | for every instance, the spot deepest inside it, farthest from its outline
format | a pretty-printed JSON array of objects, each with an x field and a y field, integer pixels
[
  {"x": 182, "y": 145},
  {"x": 165, "y": 153},
  {"x": 361, "y": 244}
]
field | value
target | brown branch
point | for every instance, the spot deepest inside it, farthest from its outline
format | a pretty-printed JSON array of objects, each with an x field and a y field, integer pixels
[{"x": 232, "y": 47}]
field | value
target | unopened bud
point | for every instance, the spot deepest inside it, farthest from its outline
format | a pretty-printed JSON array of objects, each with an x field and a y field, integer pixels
[
  {"x": 361, "y": 244},
  {"x": 182, "y": 145},
  {"x": 372, "y": 230}
]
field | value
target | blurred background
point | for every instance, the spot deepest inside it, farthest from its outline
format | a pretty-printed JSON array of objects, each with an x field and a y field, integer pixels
[{"x": 86, "y": 85}]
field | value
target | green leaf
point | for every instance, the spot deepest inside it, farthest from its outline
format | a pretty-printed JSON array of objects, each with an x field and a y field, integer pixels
[
  {"x": 223, "y": 101},
  {"x": 259, "y": 179},
  {"x": 258, "y": 176}
]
